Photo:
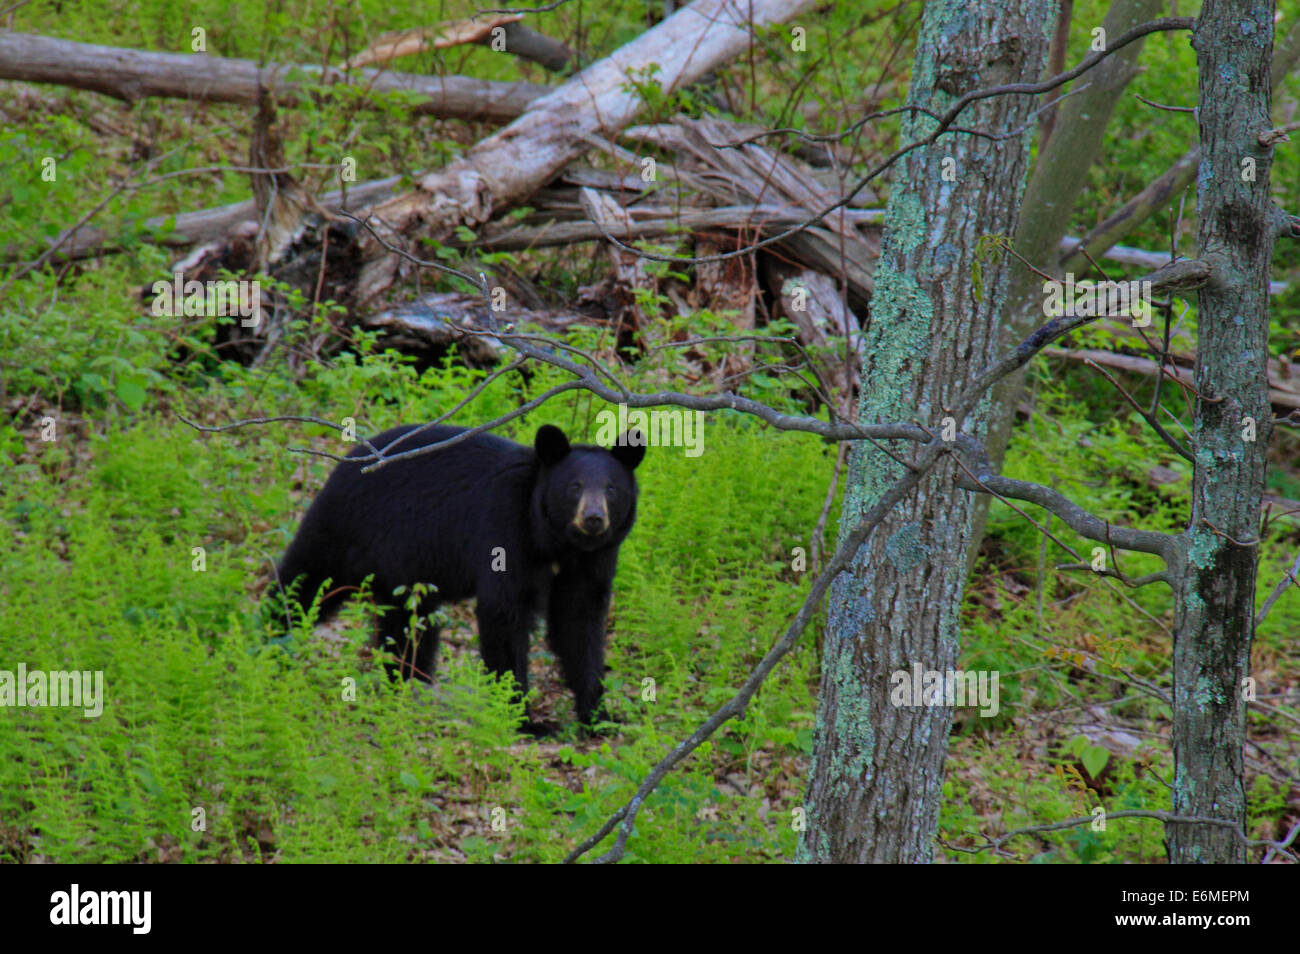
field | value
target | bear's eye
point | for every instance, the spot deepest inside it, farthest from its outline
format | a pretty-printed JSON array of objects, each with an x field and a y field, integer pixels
[
  {"x": 611, "y": 489},
  {"x": 575, "y": 488}
]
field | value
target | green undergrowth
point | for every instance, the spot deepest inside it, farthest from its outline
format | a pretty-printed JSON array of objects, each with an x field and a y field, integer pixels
[
  {"x": 281, "y": 756},
  {"x": 132, "y": 545}
]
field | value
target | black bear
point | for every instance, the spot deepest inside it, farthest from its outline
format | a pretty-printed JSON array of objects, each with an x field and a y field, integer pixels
[{"x": 523, "y": 530}]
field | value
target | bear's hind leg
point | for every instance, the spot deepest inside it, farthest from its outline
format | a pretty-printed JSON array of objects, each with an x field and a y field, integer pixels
[{"x": 410, "y": 655}]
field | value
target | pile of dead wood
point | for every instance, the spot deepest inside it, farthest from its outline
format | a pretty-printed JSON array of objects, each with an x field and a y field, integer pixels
[
  {"x": 569, "y": 154},
  {"x": 570, "y": 167}
]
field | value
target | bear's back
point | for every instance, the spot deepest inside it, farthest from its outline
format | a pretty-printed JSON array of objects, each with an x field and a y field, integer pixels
[{"x": 435, "y": 518}]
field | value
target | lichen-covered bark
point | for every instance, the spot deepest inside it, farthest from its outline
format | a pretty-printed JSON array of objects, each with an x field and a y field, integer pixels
[
  {"x": 878, "y": 769},
  {"x": 1214, "y": 622}
]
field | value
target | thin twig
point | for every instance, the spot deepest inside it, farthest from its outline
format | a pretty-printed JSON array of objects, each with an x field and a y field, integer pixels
[{"x": 1146, "y": 415}]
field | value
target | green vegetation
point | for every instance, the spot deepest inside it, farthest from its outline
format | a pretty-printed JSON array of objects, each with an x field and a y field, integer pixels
[
  {"x": 204, "y": 711},
  {"x": 298, "y": 748}
]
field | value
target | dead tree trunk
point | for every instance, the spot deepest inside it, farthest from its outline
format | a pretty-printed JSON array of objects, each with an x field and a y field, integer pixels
[
  {"x": 1214, "y": 621},
  {"x": 132, "y": 75},
  {"x": 878, "y": 767}
]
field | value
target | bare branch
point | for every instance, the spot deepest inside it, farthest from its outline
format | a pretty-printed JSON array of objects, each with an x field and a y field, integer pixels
[
  {"x": 1181, "y": 276},
  {"x": 1171, "y": 109},
  {"x": 1271, "y": 137},
  {"x": 545, "y": 8},
  {"x": 1075, "y": 517},
  {"x": 301, "y": 418},
  {"x": 979, "y": 476},
  {"x": 1160, "y": 577}
]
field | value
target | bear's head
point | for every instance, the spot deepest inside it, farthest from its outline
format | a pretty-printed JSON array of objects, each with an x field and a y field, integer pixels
[{"x": 588, "y": 494}]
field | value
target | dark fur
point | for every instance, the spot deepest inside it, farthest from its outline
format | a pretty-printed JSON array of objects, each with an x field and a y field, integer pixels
[{"x": 439, "y": 517}]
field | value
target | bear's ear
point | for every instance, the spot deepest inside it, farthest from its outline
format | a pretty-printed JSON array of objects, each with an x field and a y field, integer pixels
[
  {"x": 551, "y": 445},
  {"x": 629, "y": 450}
]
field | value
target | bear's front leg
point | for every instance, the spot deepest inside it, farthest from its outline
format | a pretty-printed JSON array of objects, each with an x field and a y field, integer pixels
[
  {"x": 503, "y": 633},
  {"x": 575, "y": 629}
]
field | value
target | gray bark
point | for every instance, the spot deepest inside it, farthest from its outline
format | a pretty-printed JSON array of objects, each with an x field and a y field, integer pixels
[
  {"x": 878, "y": 769},
  {"x": 1214, "y": 615}
]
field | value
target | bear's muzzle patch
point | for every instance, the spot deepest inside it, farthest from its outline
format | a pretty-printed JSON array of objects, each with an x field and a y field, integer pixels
[{"x": 592, "y": 514}]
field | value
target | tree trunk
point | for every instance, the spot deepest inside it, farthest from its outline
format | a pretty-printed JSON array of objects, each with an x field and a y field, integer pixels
[
  {"x": 878, "y": 769},
  {"x": 1214, "y": 620}
]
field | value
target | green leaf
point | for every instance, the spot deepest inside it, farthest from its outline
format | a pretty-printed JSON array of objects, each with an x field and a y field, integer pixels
[
  {"x": 131, "y": 393},
  {"x": 1094, "y": 759}
]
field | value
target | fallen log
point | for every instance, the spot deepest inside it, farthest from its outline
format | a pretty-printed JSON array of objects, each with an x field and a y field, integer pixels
[
  {"x": 752, "y": 173},
  {"x": 517, "y": 39},
  {"x": 668, "y": 136},
  {"x": 1282, "y": 376},
  {"x": 132, "y": 75},
  {"x": 434, "y": 322},
  {"x": 630, "y": 271},
  {"x": 646, "y": 222}
]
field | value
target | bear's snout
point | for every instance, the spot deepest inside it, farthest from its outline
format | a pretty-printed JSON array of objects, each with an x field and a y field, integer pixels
[{"x": 593, "y": 514}]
